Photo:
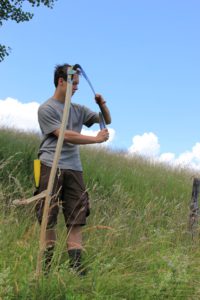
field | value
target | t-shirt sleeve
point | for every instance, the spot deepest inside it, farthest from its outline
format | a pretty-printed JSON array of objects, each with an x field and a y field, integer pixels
[
  {"x": 89, "y": 117},
  {"x": 48, "y": 119}
]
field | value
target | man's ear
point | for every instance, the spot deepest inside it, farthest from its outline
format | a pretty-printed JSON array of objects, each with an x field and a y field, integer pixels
[{"x": 60, "y": 81}]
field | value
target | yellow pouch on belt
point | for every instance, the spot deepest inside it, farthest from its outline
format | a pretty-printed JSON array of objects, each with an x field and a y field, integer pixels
[{"x": 37, "y": 167}]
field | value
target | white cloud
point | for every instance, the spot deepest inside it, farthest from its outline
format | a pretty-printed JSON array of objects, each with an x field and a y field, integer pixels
[
  {"x": 196, "y": 151},
  {"x": 146, "y": 144},
  {"x": 167, "y": 158},
  {"x": 190, "y": 159},
  {"x": 19, "y": 115}
]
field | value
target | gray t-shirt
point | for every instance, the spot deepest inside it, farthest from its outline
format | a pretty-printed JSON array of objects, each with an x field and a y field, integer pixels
[{"x": 50, "y": 118}]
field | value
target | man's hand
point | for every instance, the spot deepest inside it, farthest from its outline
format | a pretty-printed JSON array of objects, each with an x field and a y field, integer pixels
[
  {"x": 102, "y": 136},
  {"x": 105, "y": 111},
  {"x": 99, "y": 100}
]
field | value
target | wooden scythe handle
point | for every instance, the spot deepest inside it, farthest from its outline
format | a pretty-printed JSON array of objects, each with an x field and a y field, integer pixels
[{"x": 53, "y": 173}]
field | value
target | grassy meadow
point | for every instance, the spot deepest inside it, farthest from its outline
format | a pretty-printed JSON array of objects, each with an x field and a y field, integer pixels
[{"x": 136, "y": 242}]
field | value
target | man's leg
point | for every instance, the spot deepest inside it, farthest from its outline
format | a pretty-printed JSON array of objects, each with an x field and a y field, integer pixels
[
  {"x": 75, "y": 208},
  {"x": 50, "y": 238},
  {"x": 49, "y": 249},
  {"x": 74, "y": 247},
  {"x": 74, "y": 240}
]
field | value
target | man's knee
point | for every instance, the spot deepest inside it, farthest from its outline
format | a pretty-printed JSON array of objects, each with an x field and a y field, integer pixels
[{"x": 52, "y": 215}]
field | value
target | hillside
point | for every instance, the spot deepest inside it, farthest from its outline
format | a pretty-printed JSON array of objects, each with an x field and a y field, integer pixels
[{"x": 137, "y": 244}]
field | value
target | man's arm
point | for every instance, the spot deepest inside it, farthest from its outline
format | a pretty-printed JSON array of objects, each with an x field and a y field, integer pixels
[
  {"x": 105, "y": 111},
  {"x": 74, "y": 137}
]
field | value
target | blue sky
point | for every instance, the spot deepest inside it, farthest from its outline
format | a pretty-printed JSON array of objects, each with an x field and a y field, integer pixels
[{"x": 142, "y": 56}]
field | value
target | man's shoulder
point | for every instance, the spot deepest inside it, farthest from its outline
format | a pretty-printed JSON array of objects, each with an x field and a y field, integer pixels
[
  {"x": 76, "y": 105},
  {"x": 49, "y": 105},
  {"x": 79, "y": 107},
  {"x": 48, "y": 102}
]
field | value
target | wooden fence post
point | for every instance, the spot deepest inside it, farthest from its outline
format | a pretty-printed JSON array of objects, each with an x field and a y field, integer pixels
[{"x": 194, "y": 207}]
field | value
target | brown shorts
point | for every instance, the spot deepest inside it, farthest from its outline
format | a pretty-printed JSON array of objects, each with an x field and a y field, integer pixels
[{"x": 69, "y": 193}]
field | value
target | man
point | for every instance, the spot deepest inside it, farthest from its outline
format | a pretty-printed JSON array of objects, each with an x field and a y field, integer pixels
[{"x": 69, "y": 189}]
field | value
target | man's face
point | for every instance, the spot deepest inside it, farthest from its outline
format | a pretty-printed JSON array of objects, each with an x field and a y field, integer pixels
[
  {"x": 62, "y": 84},
  {"x": 75, "y": 83}
]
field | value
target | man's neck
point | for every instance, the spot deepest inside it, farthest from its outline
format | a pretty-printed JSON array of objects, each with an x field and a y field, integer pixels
[{"x": 59, "y": 97}]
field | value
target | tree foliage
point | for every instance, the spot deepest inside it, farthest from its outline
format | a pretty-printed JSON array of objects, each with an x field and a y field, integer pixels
[{"x": 13, "y": 10}]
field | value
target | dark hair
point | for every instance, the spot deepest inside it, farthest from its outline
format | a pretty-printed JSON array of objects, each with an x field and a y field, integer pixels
[{"x": 60, "y": 72}]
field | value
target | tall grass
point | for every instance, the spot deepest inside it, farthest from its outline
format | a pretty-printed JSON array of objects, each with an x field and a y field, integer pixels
[{"x": 136, "y": 243}]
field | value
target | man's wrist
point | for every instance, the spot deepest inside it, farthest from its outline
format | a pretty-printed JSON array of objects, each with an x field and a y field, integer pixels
[{"x": 102, "y": 103}]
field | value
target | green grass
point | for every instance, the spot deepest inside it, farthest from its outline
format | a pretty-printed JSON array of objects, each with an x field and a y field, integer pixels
[{"x": 137, "y": 244}]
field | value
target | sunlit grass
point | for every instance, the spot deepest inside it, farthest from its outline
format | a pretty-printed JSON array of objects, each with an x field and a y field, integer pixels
[{"x": 136, "y": 243}]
